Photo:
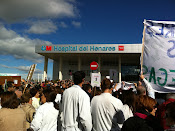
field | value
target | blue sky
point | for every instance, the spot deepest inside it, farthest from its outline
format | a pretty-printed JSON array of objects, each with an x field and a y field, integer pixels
[{"x": 24, "y": 24}]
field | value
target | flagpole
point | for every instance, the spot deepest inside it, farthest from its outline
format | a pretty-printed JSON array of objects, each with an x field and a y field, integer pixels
[
  {"x": 143, "y": 43},
  {"x": 32, "y": 68}
]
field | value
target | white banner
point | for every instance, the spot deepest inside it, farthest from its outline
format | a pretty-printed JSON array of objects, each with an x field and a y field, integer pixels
[
  {"x": 159, "y": 55},
  {"x": 95, "y": 79},
  {"x": 125, "y": 85},
  {"x": 30, "y": 74}
]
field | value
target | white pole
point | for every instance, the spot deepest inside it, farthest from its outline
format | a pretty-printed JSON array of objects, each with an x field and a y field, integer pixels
[
  {"x": 45, "y": 67},
  {"x": 42, "y": 78},
  {"x": 60, "y": 69},
  {"x": 119, "y": 69},
  {"x": 38, "y": 77}
]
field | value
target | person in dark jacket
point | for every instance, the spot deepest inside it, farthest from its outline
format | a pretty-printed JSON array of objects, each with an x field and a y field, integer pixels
[
  {"x": 144, "y": 118},
  {"x": 160, "y": 114},
  {"x": 170, "y": 116}
]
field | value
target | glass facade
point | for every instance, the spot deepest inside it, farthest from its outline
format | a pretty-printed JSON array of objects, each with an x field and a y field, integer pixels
[{"x": 130, "y": 72}]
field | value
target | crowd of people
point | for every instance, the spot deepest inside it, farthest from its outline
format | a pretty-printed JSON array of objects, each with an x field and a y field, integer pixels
[{"x": 74, "y": 105}]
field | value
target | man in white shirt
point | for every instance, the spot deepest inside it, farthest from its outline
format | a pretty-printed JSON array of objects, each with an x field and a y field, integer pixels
[
  {"x": 106, "y": 110},
  {"x": 76, "y": 115}
]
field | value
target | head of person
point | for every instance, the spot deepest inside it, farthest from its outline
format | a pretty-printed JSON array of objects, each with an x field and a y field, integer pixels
[
  {"x": 34, "y": 92},
  {"x": 48, "y": 96},
  {"x": 10, "y": 86},
  {"x": 128, "y": 97},
  {"x": 170, "y": 114},
  {"x": 96, "y": 91},
  {"x": 26, "y": 98},
  {"x": 87, "y": 88},
  {"x": 106, "y": 85},
  {"x": 78, "y": 77},
  {"x": 141, "y": 90},
  {"x": 9, "y": 100},
  {"x": 147, "y": 103},
  {"x": 59, "y": 90}
]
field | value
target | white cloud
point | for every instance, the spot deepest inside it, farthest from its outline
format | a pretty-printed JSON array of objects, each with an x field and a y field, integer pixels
[
  {"x": 22, "y": 68},
  {"x": 76, "y": 24},
  {"x": 20, "y": 47},
  {"x": 6, "y": 34},
  {"x": 42, "y": 27},
  {"x": 16, "y": 10},
  {"x": 63, "y": 25}
]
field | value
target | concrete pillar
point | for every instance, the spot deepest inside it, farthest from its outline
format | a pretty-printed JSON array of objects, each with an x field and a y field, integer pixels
[
  {"x": 55, "y": 70},
  {"x": 119, "y": 69},
  {"x": 79, "y": 63},
  {"x": 99, "y": 64},
  {"x": 45, "y": 67},
  {"x": 60, "y": 68}
]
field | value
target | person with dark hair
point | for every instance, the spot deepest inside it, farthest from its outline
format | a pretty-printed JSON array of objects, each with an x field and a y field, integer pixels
[
  {"x": 26, "y": 105},
  {"x": 45, "y": 118},
  {"x": 10, "y": 86},
  {"x": 170, "y": 116},
  {"x": 106, "y": 110},
  {"x": 144, "y": 118},
  {"x": 12, "y": 118},
  {"x": 35, "y": 97},
  {"x": 76, "y": 115},
  {"x": 128, "y": 99},
  {"x": 78, "y": 77},
  {"x": 87, "y": 88}
]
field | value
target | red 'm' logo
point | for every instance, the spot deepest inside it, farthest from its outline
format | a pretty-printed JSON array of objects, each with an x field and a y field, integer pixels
[{"x": 48, "y": 48}]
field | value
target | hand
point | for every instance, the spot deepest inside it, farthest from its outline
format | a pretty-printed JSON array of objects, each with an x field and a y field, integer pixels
[
  {"x": 115, "y": 87},
  {"x": 142, "y": 76},
  {"x": 123, "y": 83}
]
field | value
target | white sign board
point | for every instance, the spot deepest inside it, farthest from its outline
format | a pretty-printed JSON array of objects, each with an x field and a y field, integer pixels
[
  {"x": 95, "y": 79},
  {"x": 159, "y": 55}
]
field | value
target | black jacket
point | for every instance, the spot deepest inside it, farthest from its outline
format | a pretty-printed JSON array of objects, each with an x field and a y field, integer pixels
[{"x": 141, "y": 121}]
